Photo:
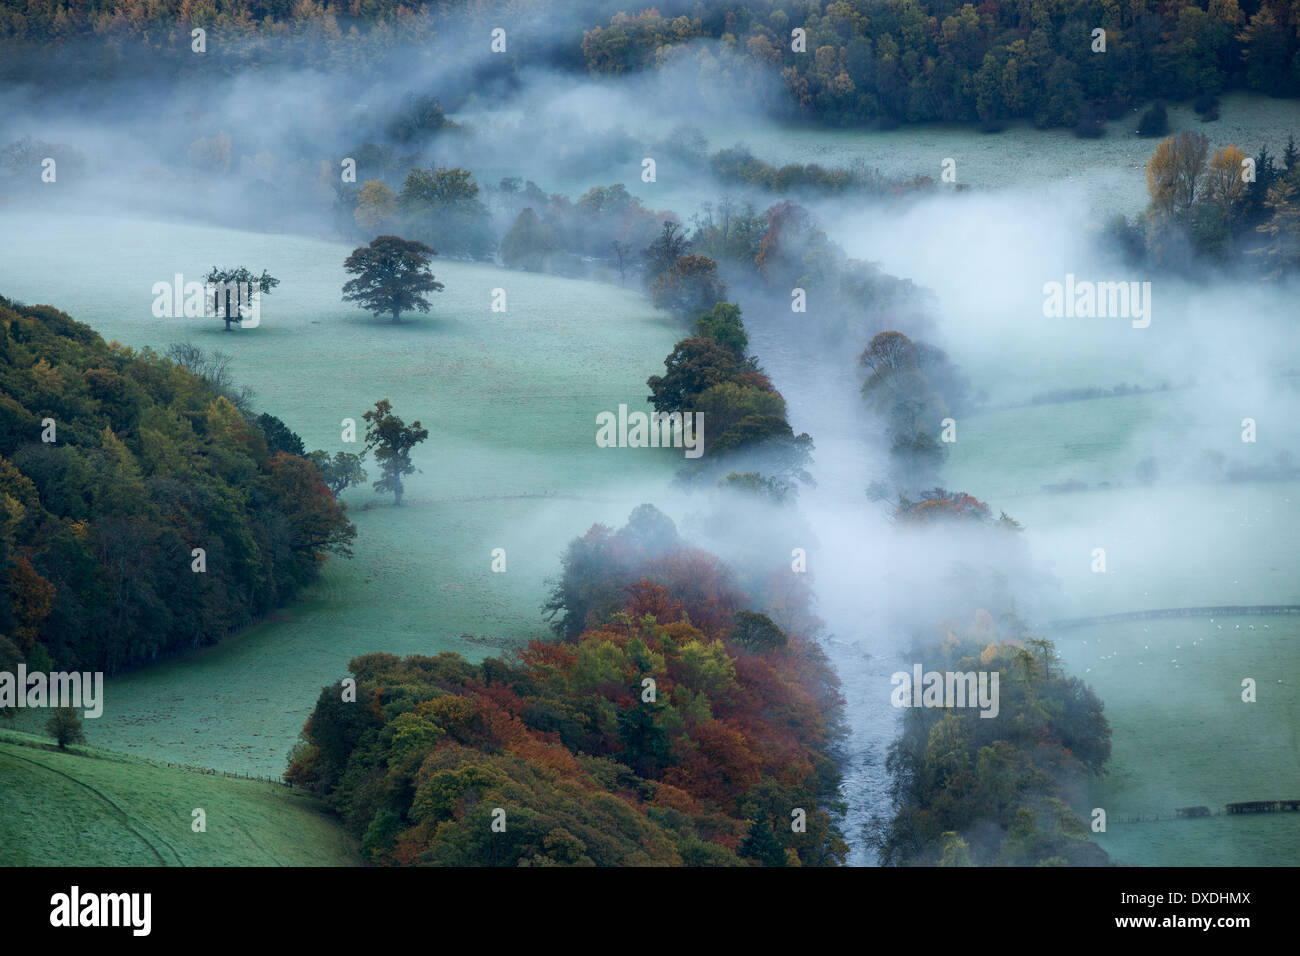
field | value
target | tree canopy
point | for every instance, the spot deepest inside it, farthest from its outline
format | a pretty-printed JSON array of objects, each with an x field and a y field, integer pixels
[
  {"x": 392, "y": 275},
  {"x": 157, "y": 516}
]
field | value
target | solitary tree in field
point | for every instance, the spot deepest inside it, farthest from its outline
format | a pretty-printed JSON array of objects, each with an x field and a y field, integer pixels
[
  {"x": 392, "y": 276},
  {"x": 230, "y": 284},
  {"x": 65, "y": 728},
  {"x": 391, "y": 439}
]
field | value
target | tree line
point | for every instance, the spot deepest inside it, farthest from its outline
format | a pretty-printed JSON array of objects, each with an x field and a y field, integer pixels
[
  {"x": 871, "y": 61},
  {"x": 1219, "y": 207},
  {"x": 857, "y": 61},
  {"x": 672, "y": 727}
]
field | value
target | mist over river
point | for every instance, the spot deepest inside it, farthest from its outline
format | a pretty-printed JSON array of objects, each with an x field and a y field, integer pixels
[{"x": 511, "y": 399}]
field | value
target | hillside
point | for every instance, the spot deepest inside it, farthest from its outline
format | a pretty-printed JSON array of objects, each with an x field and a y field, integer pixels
[{"x": 89, "y": 807}]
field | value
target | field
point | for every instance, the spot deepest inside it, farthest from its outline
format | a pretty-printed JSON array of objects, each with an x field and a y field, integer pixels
[
  {"x": 1171, "y": 687},
  {"x": 1184, "y": 737},
  {"x": 510, "y": 400},
  {"x": 91, "y": 807},
  {"x": 1106, "y": 174}
]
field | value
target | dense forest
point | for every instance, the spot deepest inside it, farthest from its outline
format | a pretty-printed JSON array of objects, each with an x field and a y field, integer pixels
[
  {"x": 856, "y": 61},
  {"x": 143, "y": 511},
  {"x": 913, "y": 61},
  {"x": 668, "y": 726}
]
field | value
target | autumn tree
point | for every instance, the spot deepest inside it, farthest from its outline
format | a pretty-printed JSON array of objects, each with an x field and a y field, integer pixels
[
  {"x": 1281, "y": 254},
  {"x": 391, "y": 440},
  {"x": 1266, "y": 48},
  {"x": 31, "y": 598},
  {"x": 376, "y": 206},
  {"x": 1174, "y": 174},
  {"x": 694, "y": 365},
  {"x": 689, "y": 287},
  {"x": 392, "y": 276},
  {"x": 441, "y": 206},
  {"x": 316, "y": 522},
  {"x": 1223, "y": 196}
]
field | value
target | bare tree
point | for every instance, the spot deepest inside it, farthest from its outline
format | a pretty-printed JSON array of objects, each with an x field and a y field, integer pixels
[
  {"x": 214, "y": 368},
  {"x": 623, "y": 253}
]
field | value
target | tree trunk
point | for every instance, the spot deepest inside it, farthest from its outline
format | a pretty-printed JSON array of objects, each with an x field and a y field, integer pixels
[{"x": 396, "y": 320}]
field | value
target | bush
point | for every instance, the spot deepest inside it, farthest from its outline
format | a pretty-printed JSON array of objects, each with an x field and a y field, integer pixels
[
  {"x": 1207, "y": 107},
  {"x": 1155, "y": 121},
  {"x": 65, "y": 727},
  {"x": 1092, "y": 123}
]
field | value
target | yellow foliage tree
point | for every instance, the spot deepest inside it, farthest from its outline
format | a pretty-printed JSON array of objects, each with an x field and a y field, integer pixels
[
  {"x": 376, "y": 206},
  {"x": 1174, "y": 173}
]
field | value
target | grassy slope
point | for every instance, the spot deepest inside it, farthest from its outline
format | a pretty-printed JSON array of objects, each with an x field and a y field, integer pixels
[
  {"x": 1183, "y": 736},
  {"x": 88, "y": 807},
  {"x": 510, "y": 401}
]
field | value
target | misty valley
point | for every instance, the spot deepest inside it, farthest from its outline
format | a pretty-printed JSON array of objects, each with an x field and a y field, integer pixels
[{"x": 631, "y": 438}]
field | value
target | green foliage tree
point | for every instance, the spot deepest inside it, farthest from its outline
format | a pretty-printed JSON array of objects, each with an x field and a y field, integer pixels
[
  {"x": 761, "y": 845},
  {"x": 723, "y": 325},
  {"x": 756, "y": 631},
  {"x": 441, "y": 206},
  {"x": 392, "y": 276},
  {"x": 340, "y": 472},
  {"x": 391, "y": 440},
  {"x": 65, "y": 727},
  {"x": 279, "y": 437},
  {"x": 228, "y": 282},
  {"x": 528, "y": 243}
]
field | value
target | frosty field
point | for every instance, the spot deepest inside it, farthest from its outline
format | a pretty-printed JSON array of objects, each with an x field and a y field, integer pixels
[{"x": 510, "y": 400}]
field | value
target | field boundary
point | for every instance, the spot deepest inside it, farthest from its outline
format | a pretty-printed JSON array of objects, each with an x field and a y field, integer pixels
[{"x": 1229, "y": 610}]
